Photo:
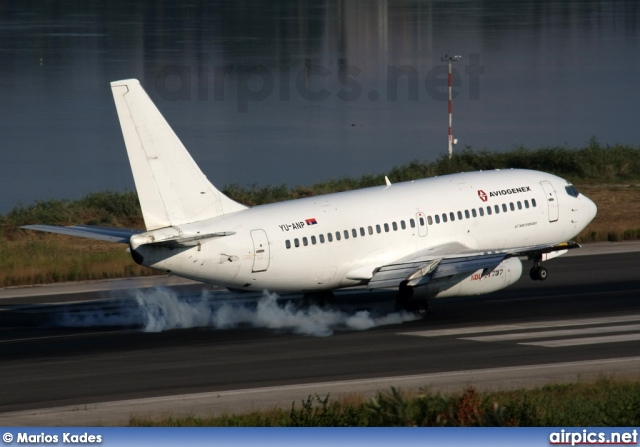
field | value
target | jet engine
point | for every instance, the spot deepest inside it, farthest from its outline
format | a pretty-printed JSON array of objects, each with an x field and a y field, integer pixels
[{"x": 478, "y": 283}]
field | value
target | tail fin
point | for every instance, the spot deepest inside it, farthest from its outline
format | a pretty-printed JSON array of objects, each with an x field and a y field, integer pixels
[{"x": 171, "y": 187}]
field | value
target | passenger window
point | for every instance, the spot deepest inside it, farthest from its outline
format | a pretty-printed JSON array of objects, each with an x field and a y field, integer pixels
[
  {"x": 346, "y": 234},
  {"x": 322, "y": 238},
  {"x": 437, "y": 219},
  {"x": 488, "y": 211},
  {"x": 386, "y": 228},
  {"x": 526, "y": 204},
  {"x": 519, "y": 205},
  {"x": 313, "y": 240},
  {"x": 473, "y": 212},
  {"x": 430, "y": 220},
  {"x": 444, "y": 217},
  {"x": 403, "y": 225},
  {"x": 511, "y": 207},
  {"x": 394, "y": 226},
  {"x": 329, "y": 237},
  {"x": 466, "y": 214},
  {"x": 337, "y": 235},
  {"x": 533, "y": 202},
  {"x": 361, "y": 231},
  {"x": 452, "y": 216},
  {"x": 305, "y": 241},
  {"x": 354, "y": 232},
  {"x": 481, "y": 211},
  {"x": 497, "y": 209},
  {"x": 459, "y": 215},
  {"x": 370, "y": 230},
  {"x": 378, "y": 229},
  {"x": 412, "y": 223},
  {"x": 296, "y": 242},
  {"x": 287, "y": 243},
  {"x": 504, "y": 207},
  {"x": 421, "y": 221}
]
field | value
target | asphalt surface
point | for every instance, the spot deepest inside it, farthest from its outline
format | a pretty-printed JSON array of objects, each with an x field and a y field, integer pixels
[{"x": 584, "y": 320}]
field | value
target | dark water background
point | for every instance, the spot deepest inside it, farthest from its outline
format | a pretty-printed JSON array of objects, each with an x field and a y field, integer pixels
[{"x": 296, "y": 92}]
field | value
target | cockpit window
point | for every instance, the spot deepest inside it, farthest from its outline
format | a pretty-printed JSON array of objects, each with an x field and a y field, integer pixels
[{"x": 572, "y": 191}]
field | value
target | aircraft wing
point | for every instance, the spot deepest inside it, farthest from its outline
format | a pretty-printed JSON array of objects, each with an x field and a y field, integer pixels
[
  {"x": 121, "y": 235},
  {"x": 453, "y": 259}
]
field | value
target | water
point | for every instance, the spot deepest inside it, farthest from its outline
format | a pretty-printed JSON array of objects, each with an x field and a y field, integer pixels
[{"x": 298, "y": 92}]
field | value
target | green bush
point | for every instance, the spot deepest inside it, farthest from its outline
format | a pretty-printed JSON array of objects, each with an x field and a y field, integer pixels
[
  {"x": 603, "y": 403},
  {"x": 593, "y": 163}
]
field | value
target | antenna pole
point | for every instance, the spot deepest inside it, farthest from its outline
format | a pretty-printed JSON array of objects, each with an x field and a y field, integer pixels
[{"x": 452, "y": 142}]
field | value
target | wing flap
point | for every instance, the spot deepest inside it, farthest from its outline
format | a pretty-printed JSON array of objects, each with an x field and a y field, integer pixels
[
  {"x": 394, "y": 274},
  {"x": 469, "y": 264},
  {"x": 532, "y": 252},
  {"x": 422, "y": 272}
]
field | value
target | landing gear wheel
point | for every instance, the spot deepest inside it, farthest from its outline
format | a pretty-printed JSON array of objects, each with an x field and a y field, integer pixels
[
  {"x": 404, "y": 301},
  {"x": 538, "y": 273},
  {"x": 533, "y": 273},
  {"x": 403, "y": 296},
  {"x": 542, "y": 273},
  {"x": 321, "y": 299},
  {"x": 420, "y": 308}
]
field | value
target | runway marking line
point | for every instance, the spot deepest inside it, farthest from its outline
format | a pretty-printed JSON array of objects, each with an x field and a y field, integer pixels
[
  {"x": 47, "y": 337},
  {"x": 585, "y": 341},
  {"x": 558, "y": 333},
  {"x": 521, "y": 326},
  {"x": 516, "y": 332}
]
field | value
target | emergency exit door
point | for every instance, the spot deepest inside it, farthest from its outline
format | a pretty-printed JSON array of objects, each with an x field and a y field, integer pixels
[{"x": 260, "y": 250}]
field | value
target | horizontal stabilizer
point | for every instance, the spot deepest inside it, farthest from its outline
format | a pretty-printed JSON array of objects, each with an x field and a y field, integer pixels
[
  {"x": 177, "y": 241},
  {"x": 121, "y": 235}
]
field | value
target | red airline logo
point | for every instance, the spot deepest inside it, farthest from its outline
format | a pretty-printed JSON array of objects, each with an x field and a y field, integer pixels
[{"x": 483, "y": 195}]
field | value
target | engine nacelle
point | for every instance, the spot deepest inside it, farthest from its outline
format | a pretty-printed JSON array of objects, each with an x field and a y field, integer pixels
[{"x": 505, "y": 274}]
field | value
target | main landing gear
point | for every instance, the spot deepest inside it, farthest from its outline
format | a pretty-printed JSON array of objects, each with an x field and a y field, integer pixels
[
  {"x": 321, "y": 298},
  {"x": 538, "y": 272},
  {"x": 404, "y": 301}
]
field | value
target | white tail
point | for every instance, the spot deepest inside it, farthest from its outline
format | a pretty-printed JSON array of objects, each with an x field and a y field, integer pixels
[{"x": 171, "y": 187}]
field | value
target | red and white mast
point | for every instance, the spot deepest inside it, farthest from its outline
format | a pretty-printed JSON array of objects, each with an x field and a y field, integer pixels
[{"x": 450, "y": 59}]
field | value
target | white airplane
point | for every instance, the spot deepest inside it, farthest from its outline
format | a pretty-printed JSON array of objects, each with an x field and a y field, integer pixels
[{"x": 453, "y": 235}]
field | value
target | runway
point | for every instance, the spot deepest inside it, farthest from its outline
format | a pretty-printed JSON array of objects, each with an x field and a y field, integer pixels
[{"x": 583, "y": 321}]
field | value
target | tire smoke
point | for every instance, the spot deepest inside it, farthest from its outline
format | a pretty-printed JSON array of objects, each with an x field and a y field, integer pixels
[{"x": 161, "y": 309}]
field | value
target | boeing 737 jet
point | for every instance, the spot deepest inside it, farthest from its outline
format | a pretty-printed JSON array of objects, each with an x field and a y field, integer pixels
[{"x": 453, "y": 235}]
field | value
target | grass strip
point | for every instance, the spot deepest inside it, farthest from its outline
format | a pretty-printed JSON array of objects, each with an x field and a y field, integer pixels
[{"x": 606, "y": 402}]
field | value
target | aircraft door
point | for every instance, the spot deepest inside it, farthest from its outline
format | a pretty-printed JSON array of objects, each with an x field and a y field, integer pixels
[
  {"x": 260, "y": 250},
  {"x": 552, "y": 200},
  {"x": 422, "y": 224}
]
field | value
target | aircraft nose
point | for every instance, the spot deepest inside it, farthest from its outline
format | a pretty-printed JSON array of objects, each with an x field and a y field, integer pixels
[{"x": 589, "y": 207}]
